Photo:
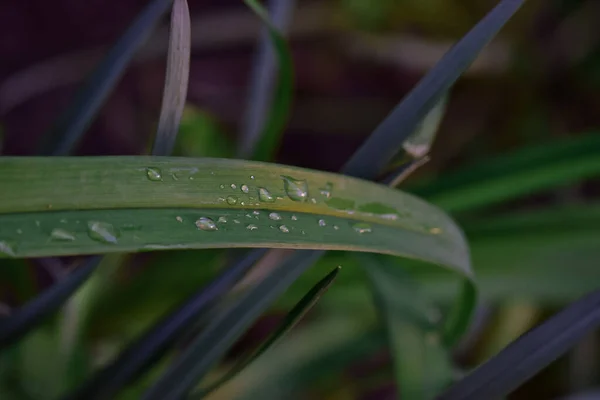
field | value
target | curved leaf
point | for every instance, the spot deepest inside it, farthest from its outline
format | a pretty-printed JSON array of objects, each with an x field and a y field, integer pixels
[{"x": 88, "y": 205}]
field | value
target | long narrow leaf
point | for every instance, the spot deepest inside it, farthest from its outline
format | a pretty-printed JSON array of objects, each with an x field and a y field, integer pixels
[
  {"x": 389, "y": 136},
  {"x": 87, "y": 102},
  {"x": 176, "y": 80},
  {"x": 530, "y": 353},
  {"x": 139, "y": 356},
  {"x": 48, "y": 301},
  {"x": 267, "y": 112},
  {"x": 219, "y": 335},
  {"x": 291, "y": 319}
]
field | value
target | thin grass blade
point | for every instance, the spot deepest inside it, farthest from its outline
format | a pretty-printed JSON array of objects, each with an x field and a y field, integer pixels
[
  {"x": 529, "y": 354},
  {"x": 291, "y": 319},
  {"x": 389, "y": 136},
  {"x": 176, "y": 80},
  {"x": 267, "y": 112},
  {"x": 214, "y": 341},
  {"x": 152, "y": 345},
  {"x": 32, "y": 313},
  {"x": 92, "y": 95}
]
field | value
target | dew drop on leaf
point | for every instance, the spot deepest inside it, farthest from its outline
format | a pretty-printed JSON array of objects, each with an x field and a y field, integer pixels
[
  {"x": 274, "y": 216},
  {"x": 361, "y": 227},
  {"x": 326, "y": 190},
  {"x": 322, "y": 222},
  {"x": 102, "y": 232},
  {"x": 284, "y": 229},
  {"x": 7, "y": 248},
  {"x": 296, "y": 189},
  {"x": 222, "y": 220},
  {"x": 265, "y": 196},
  {"x": 154, "y": 174},
  {"x": 62, "y": 235},
  {"x": 294, "y": 218},
  {"x": 206, "y": 224},
  {"x": 251, "y": 227},
  {"x": 231, "y": 200},
  {"x": 233, "y": 186},
  {"x": 245, "y": 188}
]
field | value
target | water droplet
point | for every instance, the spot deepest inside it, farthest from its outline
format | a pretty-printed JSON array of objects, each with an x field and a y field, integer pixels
[
  {"x": 7, "y": 249},
  {"x": 251, "y": 227},
  {"x": 222, "y": 186},
  {"x": 243, "y": 203},
  {"x": 102, "y": 232},
  {"x": 435, "y": 231},
  {"x": 37, "y": 223},
  {"x": 284, "y": 229},
  {"x": 297, "y": 190},
  {"x": 245, "y": 188},
  {"x": 222, "y": 220},
  {"x": 153, "y": 174},
  {"x": 206, "y": 224},
  {"x": 313, "y": 200},
  {"x": 19, "y": 231},
  {"x": 221, "y": 199},
  {"x": 294, "y": 218},
  {"x": 322, "y": 222},
  {"x": 336, "y": 227},
  {"x": 251, "y": 176},
  {"x": 265, "y": 195},
  {"x": 275, "y": 216},
  {"x": 231, "y": 200},
  {"x": 63, "y": 221},
  {"x": 233, "y": 186},
  {"x": 61, "y": 234},
  {"x": 361, "y": 227},
  {"x": 212, "y": 172},
  {"x": 302, "y": 232},
  {"x": 236, "y": 221},
  {"x": 326, "y": 190},
  {"x": 256, "y": 212},
  {"x": 179, "y": 219},
  {"x": 191, "y": 178}
]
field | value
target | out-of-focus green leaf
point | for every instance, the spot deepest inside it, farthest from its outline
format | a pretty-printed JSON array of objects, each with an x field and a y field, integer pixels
[
  {"x": 148, "y": 348},
  {"x": 34, "y": 311},
  {"x": 291, "y": 319},
  {"x": 421, "y": 365},
  {"x": 261, "y": 146},
  {"x": 90, "y": 98},
  {"x": 176, "y": 80},
  {"x": 201, "y": 136},
  {"x": 318, "y": 351},
  {"x": 526, "y": 356},
  {"x": 389, "y": 136},
  {"x": 523, "y": 172}
]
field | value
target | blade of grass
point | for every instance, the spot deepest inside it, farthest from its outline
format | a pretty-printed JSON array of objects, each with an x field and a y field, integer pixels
[
  {"x": 291, "y": 319},
  {"x": 403, "y": 120},
  {"x": 221, "y": 333},
  {"x": 176, "y": 80},
  {"x": 87, "y": 102},
  {"x": 267, "y": 112},
  {"x": 50, "y": 300},
  {"x": 526, "y": 356},
  {"x": 151, "y": 346}
]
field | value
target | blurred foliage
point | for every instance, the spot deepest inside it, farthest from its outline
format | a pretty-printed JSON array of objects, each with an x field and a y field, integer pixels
[{"x": 516, "y": 161}]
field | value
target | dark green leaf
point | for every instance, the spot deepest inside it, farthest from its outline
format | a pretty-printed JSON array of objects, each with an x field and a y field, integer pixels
[
  {"x": 291, "y": 319},
  {"x": 214, "y": 341}
]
